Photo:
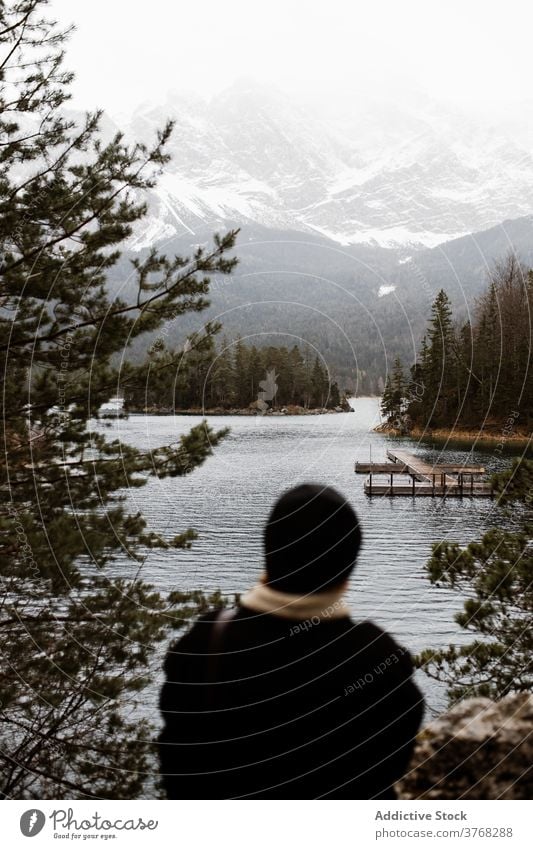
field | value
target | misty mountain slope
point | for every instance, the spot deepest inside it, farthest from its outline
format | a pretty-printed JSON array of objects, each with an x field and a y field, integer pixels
[
  {"x": 291, "y": 288},
  {"x": 347, "y": 215},
  {"x": 383, "y": 176},
  {"x": 360, "y": 305},
  {"x": 466, "y": 262}
]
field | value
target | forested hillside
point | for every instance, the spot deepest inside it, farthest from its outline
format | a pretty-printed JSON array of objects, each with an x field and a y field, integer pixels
[
  {"x": 472, "y": 374},
  {"x": 360, "y": 306}
]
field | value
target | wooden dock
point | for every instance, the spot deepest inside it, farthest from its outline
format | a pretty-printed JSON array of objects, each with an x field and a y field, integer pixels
[{"x": 421, "y": 478}]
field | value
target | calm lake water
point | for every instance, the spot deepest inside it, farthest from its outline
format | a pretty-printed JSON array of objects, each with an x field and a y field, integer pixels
[{"x": 228, "y": 499}]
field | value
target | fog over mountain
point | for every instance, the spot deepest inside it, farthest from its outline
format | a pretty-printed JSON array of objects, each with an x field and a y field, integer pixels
[
  {"x": 371, "y": 172},
  {"x": 353, "y": 214},
  {"x": 370, "y": 153}
]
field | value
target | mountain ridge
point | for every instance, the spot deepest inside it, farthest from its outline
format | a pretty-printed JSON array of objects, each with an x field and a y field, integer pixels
[{"x": 254, "y": 155}]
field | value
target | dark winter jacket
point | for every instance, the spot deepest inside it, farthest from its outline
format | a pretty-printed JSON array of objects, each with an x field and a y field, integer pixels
[{"x": 298, "y": 710}]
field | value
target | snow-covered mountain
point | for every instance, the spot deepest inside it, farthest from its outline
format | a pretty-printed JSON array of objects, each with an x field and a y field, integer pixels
[{"x": 371, "y": 172}]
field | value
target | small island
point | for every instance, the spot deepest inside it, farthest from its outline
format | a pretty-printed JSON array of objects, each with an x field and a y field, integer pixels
[{"x": 236, "y": 380}]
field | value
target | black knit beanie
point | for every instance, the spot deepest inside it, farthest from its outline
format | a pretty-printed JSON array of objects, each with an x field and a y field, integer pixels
[{"x": 311, "y": 540}]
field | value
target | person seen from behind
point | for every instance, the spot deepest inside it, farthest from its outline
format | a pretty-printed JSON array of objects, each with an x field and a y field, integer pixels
[{"x": 287, "y": 696}]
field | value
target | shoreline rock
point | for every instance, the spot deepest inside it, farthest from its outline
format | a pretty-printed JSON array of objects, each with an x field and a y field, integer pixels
[{"x": 479, "y": 749}]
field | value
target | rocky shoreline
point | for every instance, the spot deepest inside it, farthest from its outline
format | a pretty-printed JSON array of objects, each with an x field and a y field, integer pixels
[
  {"x": 495, "y": 436},
  {"x": 247, "y": 411}
]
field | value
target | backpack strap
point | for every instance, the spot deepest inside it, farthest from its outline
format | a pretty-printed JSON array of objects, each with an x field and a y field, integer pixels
[{"x": 216, "y": 644}]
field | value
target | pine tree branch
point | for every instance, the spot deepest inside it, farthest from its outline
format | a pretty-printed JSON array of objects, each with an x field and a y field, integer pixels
[
  {"x": 67, "y": 234},
  {"x": 74, "y": 145},
  {"x": 99, "y": 319},
  {"x": 22, "y": 22}
]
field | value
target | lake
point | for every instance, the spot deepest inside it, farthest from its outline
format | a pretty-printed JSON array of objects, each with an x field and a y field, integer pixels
[{"x": 228, "y": 499}]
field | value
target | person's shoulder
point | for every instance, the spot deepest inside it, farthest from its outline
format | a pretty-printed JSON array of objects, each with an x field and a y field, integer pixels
[{"x": 194, "y": 641}]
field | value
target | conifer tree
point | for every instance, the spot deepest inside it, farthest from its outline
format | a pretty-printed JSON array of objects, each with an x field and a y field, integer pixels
[
  {"x": 297, "y": 376},
  {"x": 495, "y": 574},
  {"x": 387, "y": 402},
  {"x": 488, "y": 348},
  {"x": 398, "y": 385},
  {"x": 223, "y": 376},
  {"x": 319, "y": 385},
  {"x": 466, "y": 378},
  {"x": 241, "y": 369},
  {"x": 255, "y": 373},
  {"x": 76, "y": 640},
  {"x": 334, "y": 399},
  {"x": 440, "y": 368},
  {"x": 394, "y": 395}
]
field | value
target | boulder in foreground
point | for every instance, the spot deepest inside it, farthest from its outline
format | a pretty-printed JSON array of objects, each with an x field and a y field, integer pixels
[{"x": 479, "y": 749}]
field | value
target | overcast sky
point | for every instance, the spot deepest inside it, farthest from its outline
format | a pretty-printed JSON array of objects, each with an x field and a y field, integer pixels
[{"x": 469, "y": 53}]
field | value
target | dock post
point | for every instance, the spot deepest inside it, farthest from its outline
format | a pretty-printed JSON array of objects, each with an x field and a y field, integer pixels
[
  {"x": 370, "y": 484},
  {"x": 433, "y": 492},
  {"x": 471, "y": 484},
  {"x": 413, "y": 484}
]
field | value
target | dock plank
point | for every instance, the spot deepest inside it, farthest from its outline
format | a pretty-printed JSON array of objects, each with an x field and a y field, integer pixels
[
  {"x": 381, "y": 469},
  {"x": 417, "y": 467}
]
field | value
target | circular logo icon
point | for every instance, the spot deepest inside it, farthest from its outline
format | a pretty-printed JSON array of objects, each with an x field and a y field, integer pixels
[{"x": 32, "y": 822}]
